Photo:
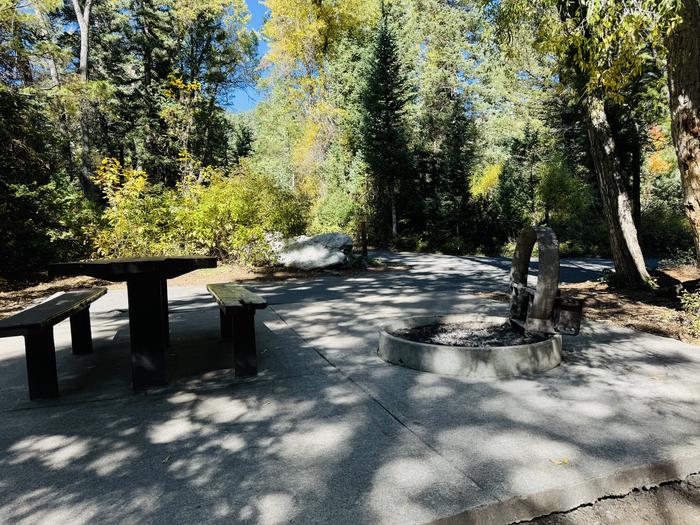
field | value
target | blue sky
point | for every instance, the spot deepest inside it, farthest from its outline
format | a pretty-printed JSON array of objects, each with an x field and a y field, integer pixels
[{"x": 245, "y": 99}]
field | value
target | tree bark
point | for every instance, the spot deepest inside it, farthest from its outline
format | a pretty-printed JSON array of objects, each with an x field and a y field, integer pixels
[
  {"x": 627, "y": 255},
  {"x": 637, "y": 195},
  {"x": 636, "y": 176},
  {"x": 684, "y": 89},
  {"x": 82, "y": 15}
]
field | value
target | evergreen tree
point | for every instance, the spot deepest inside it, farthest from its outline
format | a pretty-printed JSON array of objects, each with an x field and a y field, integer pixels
[
  {"x": 384, "y": 140},
  {"x": 167, "y": 72},
  {"x": 444, "y": 133},
  {"x": 38, "y": 204}
]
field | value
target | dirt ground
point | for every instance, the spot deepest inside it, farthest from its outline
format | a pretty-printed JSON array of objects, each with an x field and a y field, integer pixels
[
  {"x": 651, "y": 312},
  {"x": 675, "y": 503}
]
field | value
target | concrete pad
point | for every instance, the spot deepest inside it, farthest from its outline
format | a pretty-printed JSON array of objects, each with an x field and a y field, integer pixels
[
  {"x": 330, "y": 433},
  {"x": 310, "y": 449},
  {"x": 347, "y": 333},
  {"x": 620, "y": 411}
]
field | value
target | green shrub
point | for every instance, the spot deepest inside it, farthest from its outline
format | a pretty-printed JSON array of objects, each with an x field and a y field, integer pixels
[
  {"x": 336, "y": 211},
  {"x": 208, "y": 213},
  {"x": 41, "y": 223},
  {"x": 572, "y": 249},
  {"x": 42, "y": 211},
  {"x": 251, "y": 247},
  {"x": 419, "y": 242},
  {"x": 679, "y": 257},
  {"x": 228, "y": 216},
  {"x": 665, "y": 230},
  {"x": 690, "y": 301},
  {"x": 453, "y": 246},
  {"x": 137, "y": 219}
]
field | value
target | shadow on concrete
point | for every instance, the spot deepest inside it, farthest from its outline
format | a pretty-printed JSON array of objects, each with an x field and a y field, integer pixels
[{"x": 328, "y": 433}]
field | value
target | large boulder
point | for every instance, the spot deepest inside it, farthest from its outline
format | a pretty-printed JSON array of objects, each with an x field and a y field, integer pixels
[{"x": 313, "y": 253}]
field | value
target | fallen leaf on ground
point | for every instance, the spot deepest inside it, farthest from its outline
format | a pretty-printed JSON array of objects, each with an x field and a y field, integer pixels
[{"x": 562, "y": 461}]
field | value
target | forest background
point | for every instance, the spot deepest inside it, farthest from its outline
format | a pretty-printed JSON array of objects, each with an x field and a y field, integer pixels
[{"x": 437, "y": 125}]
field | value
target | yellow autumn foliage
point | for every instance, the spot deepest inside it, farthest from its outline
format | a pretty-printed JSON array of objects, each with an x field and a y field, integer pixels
[
  {"x": 658, "y": 165},
  {"x": 482, "y": 185},
  {"x": 302, "y": 33}
]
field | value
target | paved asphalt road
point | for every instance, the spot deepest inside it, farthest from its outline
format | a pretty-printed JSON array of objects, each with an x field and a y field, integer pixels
[
  {"x": 575, "y": 270},
  {"x": 443, "y": 275}
]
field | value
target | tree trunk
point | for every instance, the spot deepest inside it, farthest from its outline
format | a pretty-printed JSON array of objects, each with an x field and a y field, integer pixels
[
  {"x": 82, "y": 15},
  {"x": 627, "y": 255},
  {"x": 684, "y": 88},
  {"x": 636, "y": 176},
  {"x": 637, "y": 195}
]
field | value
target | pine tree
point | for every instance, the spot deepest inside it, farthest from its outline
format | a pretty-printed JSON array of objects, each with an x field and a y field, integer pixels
[{"x": 385, "y": 144}]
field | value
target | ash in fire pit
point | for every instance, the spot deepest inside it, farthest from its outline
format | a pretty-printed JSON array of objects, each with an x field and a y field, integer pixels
[{"x": 466, "y": 335}]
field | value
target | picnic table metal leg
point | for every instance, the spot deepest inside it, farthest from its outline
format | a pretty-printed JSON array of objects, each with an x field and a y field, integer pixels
[
  {"x": 148, "y": 329},
  {"x": 244, "y": 354},
  {"x": 41, "y": 363},
  {"x": 81, "y": 333}
]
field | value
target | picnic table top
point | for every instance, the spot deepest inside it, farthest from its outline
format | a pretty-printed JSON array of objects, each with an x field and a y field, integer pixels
[{"x": 128, "y": 268}]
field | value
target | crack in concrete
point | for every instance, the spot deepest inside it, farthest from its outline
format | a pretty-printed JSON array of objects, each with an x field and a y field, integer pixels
[{"x": 609, "y": 497}]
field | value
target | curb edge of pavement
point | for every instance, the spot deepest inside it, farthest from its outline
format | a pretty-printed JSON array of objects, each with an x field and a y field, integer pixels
[{"x": 569, "y": 497}]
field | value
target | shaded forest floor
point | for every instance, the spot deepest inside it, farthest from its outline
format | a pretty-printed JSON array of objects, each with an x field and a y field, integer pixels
[{"x": 640, "y": 310}]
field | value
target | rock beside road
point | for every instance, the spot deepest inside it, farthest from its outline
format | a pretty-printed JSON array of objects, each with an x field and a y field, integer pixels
[{"x": 313, "y": 253}]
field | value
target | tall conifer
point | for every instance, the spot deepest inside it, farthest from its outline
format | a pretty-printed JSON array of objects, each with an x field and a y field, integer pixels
[{"x": 385, "y": 144}]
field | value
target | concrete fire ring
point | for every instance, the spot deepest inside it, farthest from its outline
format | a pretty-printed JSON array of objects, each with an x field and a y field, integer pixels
[{"x": 473, "y": 362}]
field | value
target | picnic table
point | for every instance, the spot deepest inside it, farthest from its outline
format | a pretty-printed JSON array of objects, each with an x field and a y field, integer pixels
[{"x": 147, "y": 290}]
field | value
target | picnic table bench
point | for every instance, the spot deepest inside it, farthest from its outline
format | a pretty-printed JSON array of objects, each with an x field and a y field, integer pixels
[
  {"x": 36, "y": 325},
  {"x": 237, "y": 307}
]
